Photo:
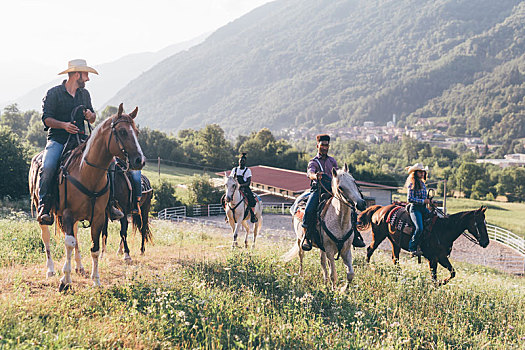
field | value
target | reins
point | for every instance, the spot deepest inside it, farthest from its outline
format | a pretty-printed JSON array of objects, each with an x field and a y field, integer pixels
[
  {"x": 235, "y": 207},
  {"x": 340, "y": 242},
  {"x": 93, "y": 195}
]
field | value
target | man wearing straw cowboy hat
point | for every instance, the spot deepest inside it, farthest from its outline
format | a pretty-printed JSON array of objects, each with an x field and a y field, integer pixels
[
  {"x": 58, "y": 106},
  {"x": 417, "y": 196}
]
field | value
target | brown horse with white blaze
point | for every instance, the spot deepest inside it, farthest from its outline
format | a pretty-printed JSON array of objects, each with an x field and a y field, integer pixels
[{"x": 83, "y": 186}]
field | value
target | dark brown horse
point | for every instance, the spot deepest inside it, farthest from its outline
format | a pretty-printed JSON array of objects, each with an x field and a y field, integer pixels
[
  {"x": 140, "y": 222},
  {"x": 437, "y": 246},
  {"x": 83, "y": 185}
]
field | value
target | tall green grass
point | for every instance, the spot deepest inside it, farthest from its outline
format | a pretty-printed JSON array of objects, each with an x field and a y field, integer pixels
[{"x": 209, "y": 296}]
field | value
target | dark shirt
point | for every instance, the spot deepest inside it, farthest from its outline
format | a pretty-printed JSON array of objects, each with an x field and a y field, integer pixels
[{"x": 58, "y": 104}]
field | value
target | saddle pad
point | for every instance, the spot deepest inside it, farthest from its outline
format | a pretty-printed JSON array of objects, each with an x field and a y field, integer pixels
[
  {"x": 145, "y": 184},
  {"x": 399, "y": 220}
]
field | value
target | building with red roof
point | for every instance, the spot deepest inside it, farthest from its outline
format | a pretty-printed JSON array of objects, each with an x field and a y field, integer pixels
[{"x": 288, "y": 184}]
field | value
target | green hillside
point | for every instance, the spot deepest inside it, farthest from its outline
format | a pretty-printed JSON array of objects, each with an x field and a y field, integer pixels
[{"x": 305, "y": 62}]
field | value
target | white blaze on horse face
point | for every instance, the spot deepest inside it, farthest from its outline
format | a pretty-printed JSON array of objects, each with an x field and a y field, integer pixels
[
  {"x": 231, "y": 185},
  {"x": 137, "y": 145}
]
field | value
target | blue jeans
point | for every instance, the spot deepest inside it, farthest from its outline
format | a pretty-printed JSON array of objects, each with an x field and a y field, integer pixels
[
  {"x": 52, "y": 154},
  {"x": 417, "y": 212},
  {"x": 137, "y": 186},
  {"x": 310, "y": 210}
]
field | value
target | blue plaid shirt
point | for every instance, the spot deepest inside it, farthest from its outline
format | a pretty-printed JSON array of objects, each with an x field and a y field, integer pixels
[{"x": 417, "y": 196}]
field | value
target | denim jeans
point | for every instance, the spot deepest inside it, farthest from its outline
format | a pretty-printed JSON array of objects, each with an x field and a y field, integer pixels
[
  {"x": 50, "y": 160},
  {"x": 137, "y": 186},
  {"x": 310, "y": 210},
  {"x": 417, "y": 212}
]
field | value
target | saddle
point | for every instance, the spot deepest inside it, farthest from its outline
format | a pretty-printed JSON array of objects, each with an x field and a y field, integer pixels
[
  {"x": 399, "y": 220},
  {"x": 317, "y": 240},
  {"x": 245, "y": 200}
]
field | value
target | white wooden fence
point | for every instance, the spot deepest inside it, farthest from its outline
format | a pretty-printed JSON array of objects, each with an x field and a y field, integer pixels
[{"x": 506, "y": 237}]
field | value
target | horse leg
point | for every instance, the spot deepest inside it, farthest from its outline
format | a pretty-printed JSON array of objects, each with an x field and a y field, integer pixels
[
  {"x": 301, "y": 257},
  {"x": 104, "y": 236},
  {"x": 377, "y": 238},
  {"x": 333, "y": 270},
  {"x": 247, "y": 228},
  {"x": 347, "y": 259},
  {"x": 96, "y": 228},
  {"x": 395, "y": 253},
  {"x": 256, "y": 229},
  {"x": 79, "y": 268},
  {"x": 323, "y": 266},
  {"x": 46, "y": 238},
  {"x": 70, "y": 243},
  {"x": 124, "y": 238},
  {"x": 432, "y": 263},
  {"x": 236, "y": 227},
  {"x": 443, "y": 260}
]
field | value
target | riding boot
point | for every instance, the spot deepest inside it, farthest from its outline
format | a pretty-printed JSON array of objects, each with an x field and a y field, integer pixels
[
  {"x": 358, "y": 241},
  {"x": 44, "y": 217},
  {"x": 114, "y": 212},
  {"x": 306, "y": 244},
  {"x": 253, "y": 218}
]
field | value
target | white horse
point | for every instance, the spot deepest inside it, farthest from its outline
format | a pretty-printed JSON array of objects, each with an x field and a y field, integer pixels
[
  {"x": 235, "y": 208},
  {"x": 336, "y": 227}
]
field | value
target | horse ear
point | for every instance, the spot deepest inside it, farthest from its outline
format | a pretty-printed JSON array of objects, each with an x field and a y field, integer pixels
[
  {"x": 346, "y": 168},
  {"x": 120, "y": 109},
  {"x": 334, "y": 172},
  {"x": 134, "y": 113},
  {"x": 483, "y": 209}
]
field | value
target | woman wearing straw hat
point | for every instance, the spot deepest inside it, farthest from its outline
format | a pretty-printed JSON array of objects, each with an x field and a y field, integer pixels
[{"x": 417, "y": 196}]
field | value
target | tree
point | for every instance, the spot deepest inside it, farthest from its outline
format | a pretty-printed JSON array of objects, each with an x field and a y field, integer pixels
[
  {"x": 202, "y": 191},
  {"x": 467, "y": 175},
  {"x": 36, "y": 136},
  {"x": 164, "y": 197},
  {"x": 216, "y": 151},
  {"x": 14, "y": 119},
  {"x": 15, "y": 165}
]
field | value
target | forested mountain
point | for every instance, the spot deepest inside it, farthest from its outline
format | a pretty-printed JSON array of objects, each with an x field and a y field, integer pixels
[{"x": 305, "y": 62}]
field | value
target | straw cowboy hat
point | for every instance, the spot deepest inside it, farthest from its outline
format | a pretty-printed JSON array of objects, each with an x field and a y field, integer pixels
[
  {"x": 415, "y": 167},
  {"x": 78, "y": 65}
]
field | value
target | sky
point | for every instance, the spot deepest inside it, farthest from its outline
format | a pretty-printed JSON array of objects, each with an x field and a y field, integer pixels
[{"x": 39, "y": 37}]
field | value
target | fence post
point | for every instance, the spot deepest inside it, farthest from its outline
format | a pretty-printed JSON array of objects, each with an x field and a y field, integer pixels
[{"x": 158, "y": 165}]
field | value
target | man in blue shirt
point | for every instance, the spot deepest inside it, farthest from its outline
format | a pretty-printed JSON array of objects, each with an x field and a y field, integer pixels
[
  {"x": 62, "y": 103},
  {"x": 319, "y": 171}
]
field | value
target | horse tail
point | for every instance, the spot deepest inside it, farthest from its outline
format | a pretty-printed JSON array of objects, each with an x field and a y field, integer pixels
[
  {"x": 364, "y": 220},
  {"x": 141, "y": 222},
  {"x": 292, "y": 253}
]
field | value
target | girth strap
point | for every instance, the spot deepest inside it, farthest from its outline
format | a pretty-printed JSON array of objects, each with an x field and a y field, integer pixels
[
  {"x": 339, "y": 242},
  {"x": 92, "y": 195}
]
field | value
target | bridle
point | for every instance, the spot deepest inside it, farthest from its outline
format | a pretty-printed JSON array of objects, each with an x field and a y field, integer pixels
[
  {"x": 120, "y": 119},
  {"x": 236, "y": 205},
  {"x": 470, "y": 236},
  {"x": 341, "y": 196}
]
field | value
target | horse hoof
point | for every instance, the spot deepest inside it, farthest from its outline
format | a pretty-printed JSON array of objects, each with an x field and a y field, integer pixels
[
  {"x": 64, "y": 287},
  {"x": 127, "y": 259},
  {"x": 50, "y": 274},
  {"x": 344, "y": 288}
]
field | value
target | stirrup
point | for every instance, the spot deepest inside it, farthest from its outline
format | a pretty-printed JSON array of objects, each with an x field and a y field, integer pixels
[
  {"x": 115, "y": 213},
  {"x": 306, "y": 245}
]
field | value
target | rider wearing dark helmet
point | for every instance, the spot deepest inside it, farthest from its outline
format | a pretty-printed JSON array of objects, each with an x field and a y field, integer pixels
[{"x": 244, "y": 177}]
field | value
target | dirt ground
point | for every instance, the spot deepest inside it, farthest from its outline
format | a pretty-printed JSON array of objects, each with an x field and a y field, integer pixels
[{"x": 496, "y": 255}]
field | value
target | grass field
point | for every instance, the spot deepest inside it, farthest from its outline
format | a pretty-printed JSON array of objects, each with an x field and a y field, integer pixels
[{"x": 191, "y": 290}]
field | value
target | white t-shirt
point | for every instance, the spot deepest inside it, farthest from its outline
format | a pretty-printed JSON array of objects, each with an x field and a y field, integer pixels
[{"x": 245, "y": 173}]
